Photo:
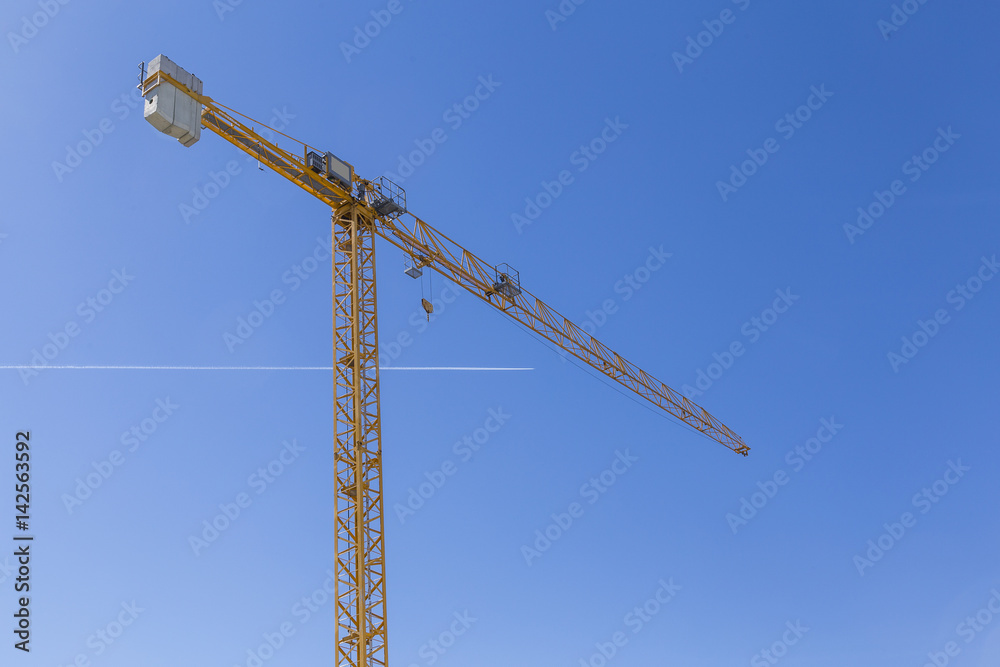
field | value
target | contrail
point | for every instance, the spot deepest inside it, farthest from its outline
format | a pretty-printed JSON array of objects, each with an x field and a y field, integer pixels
[{"x": 259, "y": 368}]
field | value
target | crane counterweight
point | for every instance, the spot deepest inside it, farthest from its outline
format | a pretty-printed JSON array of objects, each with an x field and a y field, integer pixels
[{"x": 172, "y": 109}]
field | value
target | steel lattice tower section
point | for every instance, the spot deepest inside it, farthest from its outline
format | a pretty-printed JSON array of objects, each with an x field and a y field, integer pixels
[{"x": 361, "y": 612}]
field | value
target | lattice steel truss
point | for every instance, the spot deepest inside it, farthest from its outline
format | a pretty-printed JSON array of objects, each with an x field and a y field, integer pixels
[{"x": 361, "y": 613}]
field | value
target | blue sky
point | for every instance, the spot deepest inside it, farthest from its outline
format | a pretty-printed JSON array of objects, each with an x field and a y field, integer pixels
[{"x": 747, "y": 136}]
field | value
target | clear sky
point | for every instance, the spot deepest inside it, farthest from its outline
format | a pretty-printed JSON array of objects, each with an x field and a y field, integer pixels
[{"x": 788, "y": 210}]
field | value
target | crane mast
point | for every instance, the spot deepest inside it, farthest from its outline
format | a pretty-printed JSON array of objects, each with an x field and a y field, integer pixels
[
  {"x": 360, "y": 538},
  {"x": 363, "y": 209}
]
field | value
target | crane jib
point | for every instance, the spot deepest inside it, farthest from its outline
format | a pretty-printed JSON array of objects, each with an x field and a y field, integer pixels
[{"x": 286, "y": 167}]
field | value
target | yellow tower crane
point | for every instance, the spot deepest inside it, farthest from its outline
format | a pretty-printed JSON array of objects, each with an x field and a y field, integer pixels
[{"x": 362, "y": 209}]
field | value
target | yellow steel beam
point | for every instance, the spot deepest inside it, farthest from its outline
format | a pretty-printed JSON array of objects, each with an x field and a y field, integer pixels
[
  {"x": 444, "y": 255},
  {"x": 361, "y": 605}
]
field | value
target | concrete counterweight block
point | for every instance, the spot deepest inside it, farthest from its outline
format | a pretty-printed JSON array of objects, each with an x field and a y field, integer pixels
[{"x": 170, "y": 109}]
